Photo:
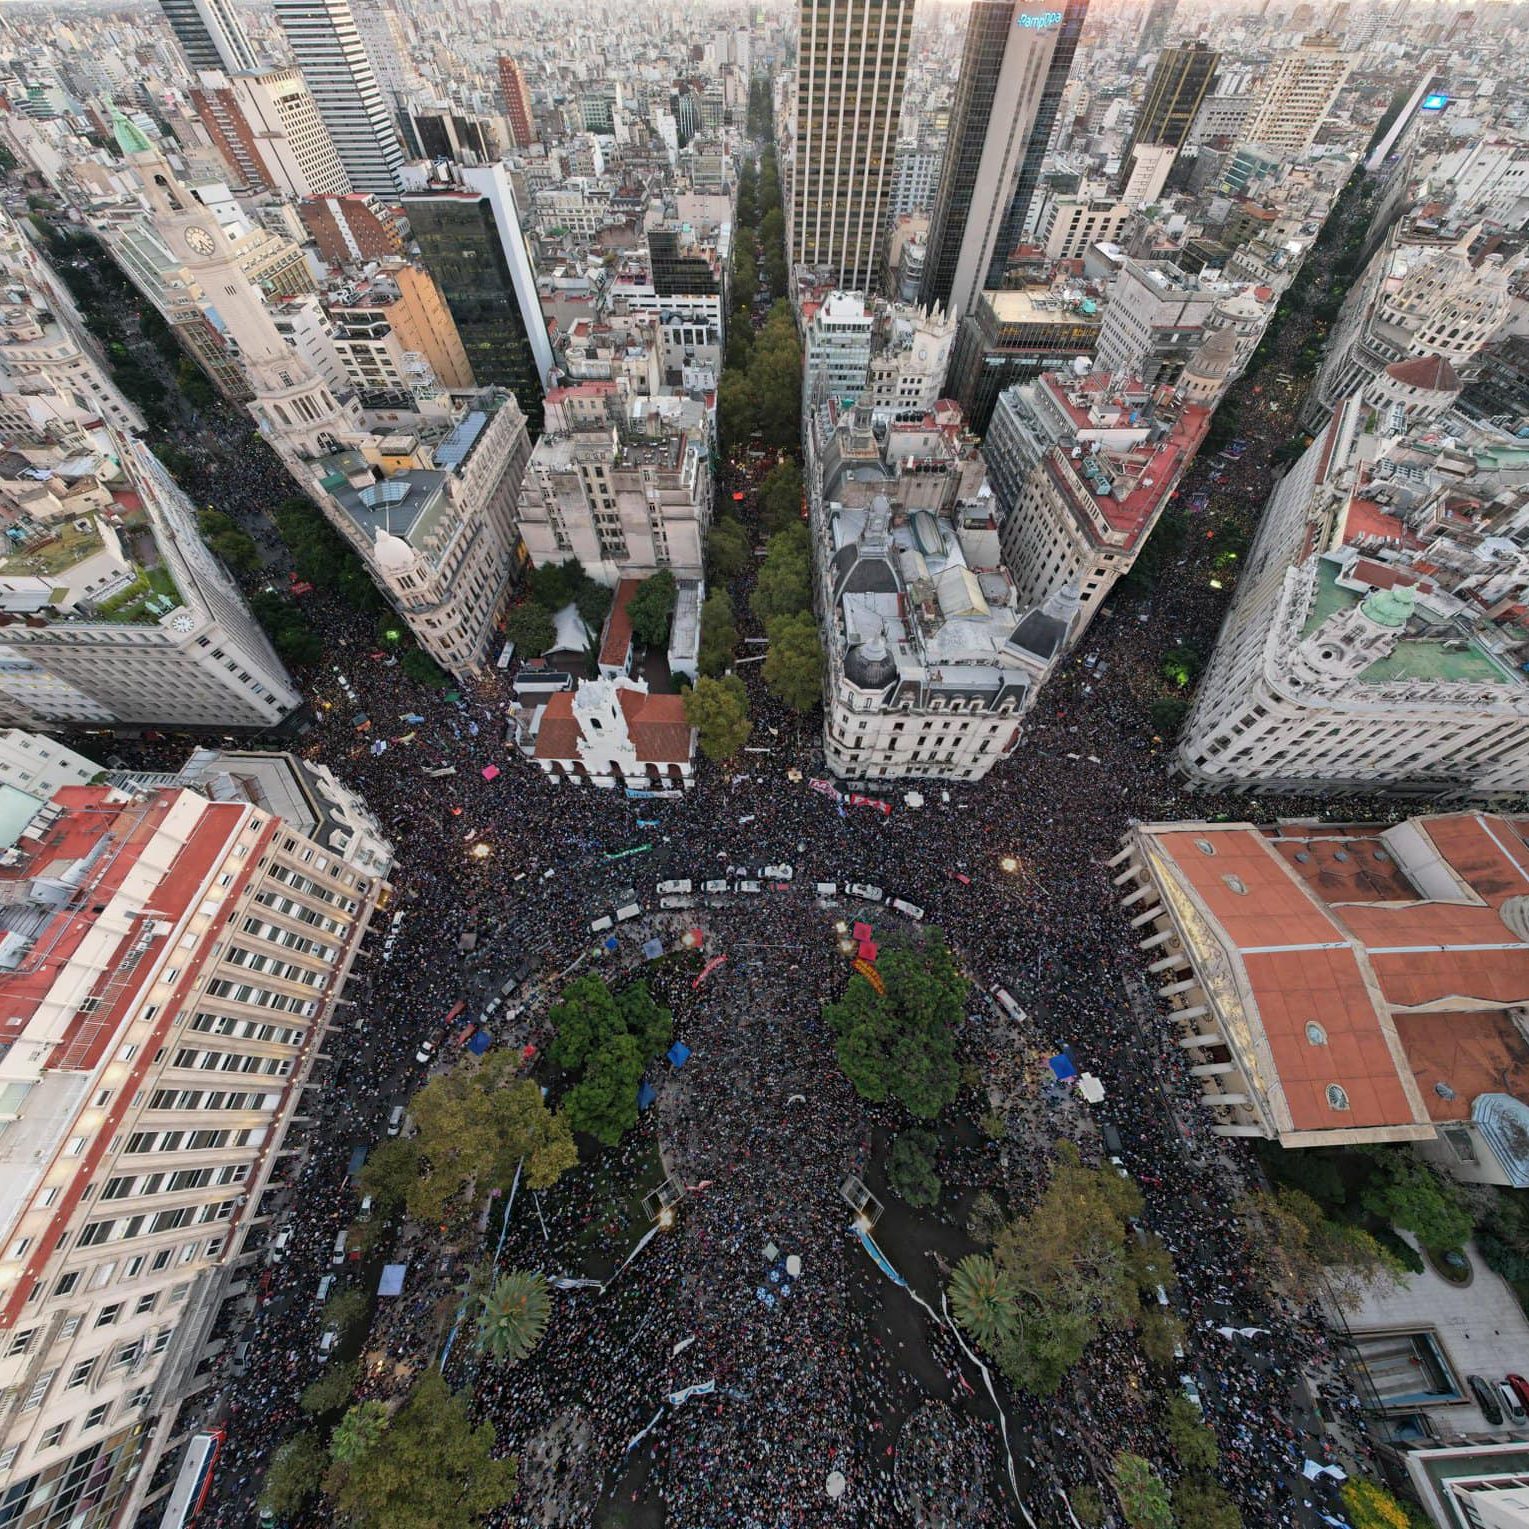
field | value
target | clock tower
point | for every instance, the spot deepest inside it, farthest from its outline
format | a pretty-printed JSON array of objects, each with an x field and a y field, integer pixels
[{"x": 293, "y": 407}]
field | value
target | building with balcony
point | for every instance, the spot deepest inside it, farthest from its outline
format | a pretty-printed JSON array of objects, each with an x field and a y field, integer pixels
[
  {"x": 435, "y": 524},
  {"x": 170, "y": 964},
  {"x": 1083, "y": 468},
  {"x": 1377, "y": 640},
  {"x": 626, "y": 490},
  {"x": 112, "y": 610}
]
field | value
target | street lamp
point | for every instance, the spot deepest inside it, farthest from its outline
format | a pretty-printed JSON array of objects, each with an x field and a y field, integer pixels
[
  {"x": 1009, "y": 864},
  {"x": 481, "y": 850}
]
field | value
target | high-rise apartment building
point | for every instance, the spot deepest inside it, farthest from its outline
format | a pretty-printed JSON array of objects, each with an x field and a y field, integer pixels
[
  {"x": 471, "y": 240},
  {"x": 851, "y": 62},
  {"x": 112, "y": 610},
  {"x": 267, "y": 125},
  {"x": 1298, "y": 95},
  {"x": 1159, "y": 19},
  {"x": 210, "y": 34},
  {"x": 1178, "y": 88},
  {"x": 171, "y": 966},
  {"x": 1017, "y": 59},
  {"x": 334, "y": 62},
  {"x": 837, "y": 356},
  {"x": 517, "y": 102}
]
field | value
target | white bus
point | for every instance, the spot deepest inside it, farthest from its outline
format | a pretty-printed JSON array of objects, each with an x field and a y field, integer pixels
[{"x": 195, "y": 1479}]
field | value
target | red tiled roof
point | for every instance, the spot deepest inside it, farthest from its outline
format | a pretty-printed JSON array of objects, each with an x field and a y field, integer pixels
[
  {"x": 618, "y": 626},
  {"x": 1434, "y": 374},
  {"x": 559, "y": 735},
  {"x": 657, "y": 726}
]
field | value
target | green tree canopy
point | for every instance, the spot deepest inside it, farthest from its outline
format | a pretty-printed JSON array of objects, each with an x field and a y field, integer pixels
[
  {"x": 474, "y": 1126},
  {"x": 358, "y": 1432},
  {"x": 718, "y": 709},
  {"x": 784, "y": 586},
  {"x": 1191, "y": 1441},
  {"x": 593, "y": 602},
  {"x": 900, "y": 1044},
  {"x": 430, "y": 1469},
  {"x": 719, "y": 633},
  {"x": 793, "y": 667},
  {"x": 346, "y": 1307},
  {"x": 1368, "y": 1505},
  {"x": 512, "y": 1317},
  {"x": 651, "y": 606},
  {"x": 780, "y": 497},
  {"x": 530, "y": 627},
  {"x": 1201, "y": 1502},
  {"x": 331, "y": 1390},
  {"x": 1143, "y": 1497},
  {"x": 389, "y": 1172},
  {"x": 910, "y": 1168},
  {"x": 294, "y": 1474},
  {"x": 608, "y": 1039},
  {"x": 727, "y": 550},
  {"x": 737, "y": 413},
  {"x": 1410, "y": 1193},
  {"x": 603, "y": 1102},
  {"x": 983, "y": 1301}
]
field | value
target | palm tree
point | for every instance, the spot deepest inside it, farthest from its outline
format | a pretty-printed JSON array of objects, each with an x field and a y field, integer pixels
[
  {"x": 982, "y": 1301},
  {"x": 513, "y": 1318}
]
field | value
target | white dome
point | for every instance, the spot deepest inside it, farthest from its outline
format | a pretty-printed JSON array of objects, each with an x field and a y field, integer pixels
[{"x": 393, "y": 553}]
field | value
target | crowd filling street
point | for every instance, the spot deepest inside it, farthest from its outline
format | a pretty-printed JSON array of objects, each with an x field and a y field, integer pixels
[{"x": 832, "y": 1371}]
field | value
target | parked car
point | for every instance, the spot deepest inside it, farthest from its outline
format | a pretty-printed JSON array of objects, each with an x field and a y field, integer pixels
[
  {"x": 327, "y": 1340},
  {"x": 1486, "y": 1398},
  {"x": 1513, "y": 1408},
  {"x": 779, "y": 872},
  {"x": 395, "y": 1119},
  {"x": 749, "y": 887},
  {"x": 425, "y": 1052},
  {"x": 1520, "y": 1388},
  {"x": 1191, "y": 1390}
]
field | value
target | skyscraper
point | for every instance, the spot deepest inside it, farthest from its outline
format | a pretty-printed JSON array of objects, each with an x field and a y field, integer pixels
[
  {"x": 210, "y": 34},
  {"x": 1179, "y": 84},
  {"x": 472, "y": 244},
  {"x": 1017, "y": 59},
  {"x": 851, "y": 63},
  {"x": 1298, "y": 94},
  {"x": 517, "y": 102},
  {"x": 333, "y": 60}
]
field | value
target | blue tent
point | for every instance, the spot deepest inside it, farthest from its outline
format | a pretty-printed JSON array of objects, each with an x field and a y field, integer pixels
[
  {"x": 612, "y": 943},
  {"x": 480, "y": 1043},
  {"x": 653, "y": 949},
  {"x": 1062, "y": 1067},
  {"x": 679, "y": 1053},
  {"x": 391, "y": 1282},
  {"x": 646, "y": 1094}
]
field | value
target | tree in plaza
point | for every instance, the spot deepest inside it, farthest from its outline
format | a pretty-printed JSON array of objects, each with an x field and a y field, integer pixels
[
  {"x": 358, "y": 1432},
  {"x": 603, "y": 1102},
  {"x": 727, "y": 549},
  {"x": 331, "y": 1390},
  {"x": 554, "y": 585},
  {"x": 1368, "y": 1505},
  {"x": 651, "y": 606},
  {"x": 584, "y": 1019},
  {"x": 900, "y": 1044},
  {"x": 512, "y": 1317},
  {"x": 1410, "y": 1193},
  {"x": 718, "y": 709},
  {"x": 1067, "y": 1266},
  {"x": 1201, "y": 1502},
  {"x": 1143, "y": 1497},
  {"x": 475, "y": 1125},
  {"x": 1087, "y": 1505},
  {"x": 529, "y": 626},
  {"x": 737, "y": 413},
  {"x": 431, "y": 1468},
  {"x": 390, "y": 1169},
  {"x": 1162, "y": 1336},
  {"x": 227, "y": 539},
  {"x": 910, "y": 1169},
  {"x": 593, "y": 601},
  {"x": 293, "y": 1476},
  {"x": 719, "y": 633},
  {"x": 1296, "y": 1246},
  {"x": 982, "y": 1301},
  {"x": 1191, "y": 1441},
  {"x": 647, "y": 1022},
  {"x": 784, "y": 585},
  {"x": 345, "y": 1308},
  {"x": 780, "y": 497},
  {"x": 793, "y": 666}
]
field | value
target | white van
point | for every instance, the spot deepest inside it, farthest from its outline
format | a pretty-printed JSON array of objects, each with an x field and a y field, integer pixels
[
  {"x": 327, "y": 1341},
  {"x": 366, "y": 1208},
  {"x": 325, "y": 1286},
  {"x": 674, "y": 904},
  {"x": 338, "y": 1255},
  {"x": 713, "y": 887},
  {"x": 674, "y": 888},
  {"x": 750, "y": 887},
  {"x": 395, "y": 1119},
  {"x": 1005, "y": 1001},
  {"x": 626, "y": 911},
  {"x": 872, "y": 894},
  {"x": 601, "y": 924},
  {"x": 826, "y": 888},
  {"x": 908, "y": 910}
]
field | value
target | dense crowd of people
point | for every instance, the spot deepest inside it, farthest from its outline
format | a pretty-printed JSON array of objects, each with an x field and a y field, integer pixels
[{"x": 822, "y": 1371}]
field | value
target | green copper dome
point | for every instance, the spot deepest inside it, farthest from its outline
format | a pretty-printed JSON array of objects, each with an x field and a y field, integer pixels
[{"x": 1390, "y": 607}]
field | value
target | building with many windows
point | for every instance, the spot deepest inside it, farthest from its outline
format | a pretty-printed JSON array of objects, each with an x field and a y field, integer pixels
[
  {"x": 266, "y": 124},
  {"x": 210, "y": 34},
  {"x": 851, "y": 63},
  {"x": 112, "y": 610},
  {"x": 1180, "y": 83},
  {"x": 1299, "y": 93},
  {"x": 517, "y": 102},
  {"x": 1377, "y": 640},
  {"x": 170, "y": 966},
  {"x": 627, "y": 491}
]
